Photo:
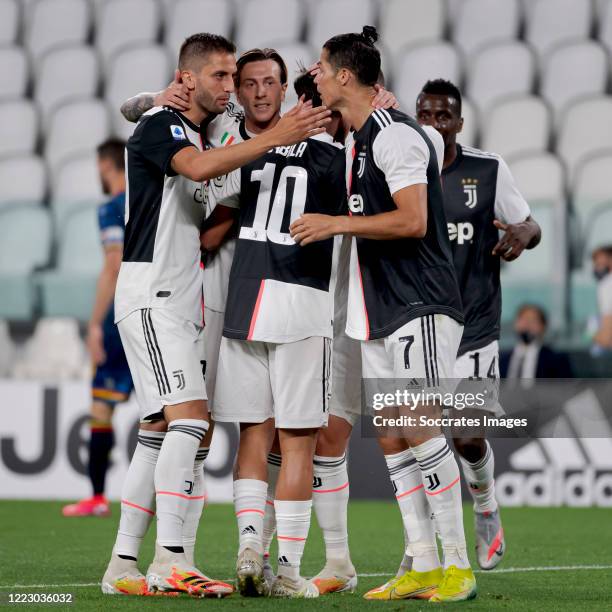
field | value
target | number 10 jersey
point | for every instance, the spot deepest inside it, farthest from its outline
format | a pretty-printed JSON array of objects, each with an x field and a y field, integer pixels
[{"x": 278, "y": 290}]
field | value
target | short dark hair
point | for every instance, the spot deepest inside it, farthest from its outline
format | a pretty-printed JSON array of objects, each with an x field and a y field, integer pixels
[
  {"x": 442, "y": 87},
  {"x": 537, "y": 308},
  {"x": 604, "y": 248},
  {"x": 260, "y": 55},
  {"x": 198, "y": 46},
  {"x": 113, "y": 149},
  {"x": 357, "y": 53},
  {"x": 304, "y": 85}
]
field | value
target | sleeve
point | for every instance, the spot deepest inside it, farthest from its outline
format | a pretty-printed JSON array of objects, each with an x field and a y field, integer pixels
[
  {"x": 604, "y": 297},
  {"x": 225, "y": 190},
  {"x": 111, "y": 225},
  {"x": 438, "y": 143},
  {"x": 402, "y": 154},
  {"x": 510, "y": 206},
  {"x": 160, "y": 138}
]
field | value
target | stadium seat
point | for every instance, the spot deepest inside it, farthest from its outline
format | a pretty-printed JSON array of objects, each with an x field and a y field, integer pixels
[
  {"x": 517, "y": 125},
  {"x": 13, "y": 73},
  {"x": 25, "y": 243},
  {"x": 7, "y": 350},
  {"x": 500, "y": 70},
  {"x": 598, "y": 230},
  {"x": 133, "y": 70},
  {"x": 294, "y": 54},
  {"x": 471, "y": 127},
  {"x": 55, "y": 352},
  {"x": 75, "y": 183},
  {"x": 18, "y": 128},
  {"x": 54, "y": 23},
  {"x": 210, "y": 15},
  {"x": 22, "y": 180},
  {"x": 69, "y": 289},
  {"x": 123, "y": 23},
  {"x": 605, "y": 25},
  {"x": 586, "y": 128},
  {"x": 551, "y": 22},
  {"x": 572, "y": 71},
  {"x": 481, "y": 22},
  {"x": 9, "y": 21},
  {"x": 591, "y": 186},
  {"x": 540, "y": 177},
  {"x": 56, "y": 84},
  {"x": 75, "y": 128},
  {"x": 420, "y": 63},
  {"x": 413, "y": 22},
  {"x": 327, "y": 14},
  {"x": 583, "y": 301},
  {"x": 255, "y": 24}
]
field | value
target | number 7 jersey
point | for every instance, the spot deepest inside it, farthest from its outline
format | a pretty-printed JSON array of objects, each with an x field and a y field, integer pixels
[{"x": 278, "y": 290}]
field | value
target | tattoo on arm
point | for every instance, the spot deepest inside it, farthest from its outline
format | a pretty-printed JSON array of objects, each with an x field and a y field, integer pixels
[{"x": 133, "y": 108}]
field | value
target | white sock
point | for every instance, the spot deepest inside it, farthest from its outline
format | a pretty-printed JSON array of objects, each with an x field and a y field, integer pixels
[
  {"x": 421, "y": 548},
  {"x": 269, "y": 525},
  {"x": 442, "y": 485},
  {"x": 138, "y": 494},
  {"x": 250, "y": 504},
  {"x": 195, "y": 506},
  {"x": 174, "y": 482},
  {"x": 330, "y": 495},
  {"x": 292, "y": 523},
  {"x": 481, "y": 482}
]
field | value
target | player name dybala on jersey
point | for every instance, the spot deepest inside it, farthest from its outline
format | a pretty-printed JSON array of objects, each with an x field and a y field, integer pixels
[
  {"x": 395, "y": 281},
  {"x": 278, "y": 290},
  {"x": 164, "y": 212},
  {"x": 479, "y": 188}
]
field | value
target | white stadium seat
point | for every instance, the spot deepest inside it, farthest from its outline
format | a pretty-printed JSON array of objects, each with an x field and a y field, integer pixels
[
  {"x": 327, "y": 14},
  {"x": 66, "y": 75},
  {"x": 403, "y": 23},
  {"x": 500, "y": 70},
  {"x": 482, "y": 22},
  {"x": 517, "y": 125},
  {"x": 74, "y": 183},
  {"x": 54, "y": 23},
  {"x": 260, "y": 20},
  {"x": 294, "y": 54},
  {"x": 540, "y": 177},
  {"x": 9, "y": 21},
  {"x": 586, "y": 128},
  {"x": 7, "y": 350},
  {"x": 572, "y": 71},
  {"x": 25, "y": 243},
  {"x": 471, "y": 125},
  {"x": 76, "y": 128},
  {"x": 55, "y": 352},
  {"x": 554, "y": 21},
  {"x": 22, "y": 179},
  {"x": 591, "y": 186},
  {"x": 185, "y": 17},
  {"x": 18, "y": 128},
  {"x": 601, "y": 7},
  {"x": 123, "y": 23},
  {"x": 605, "y": 26},
  {"x": 421, "y": 63},
  {"x": 133, "y": 70},
  {"x": 13, "y": 73}
]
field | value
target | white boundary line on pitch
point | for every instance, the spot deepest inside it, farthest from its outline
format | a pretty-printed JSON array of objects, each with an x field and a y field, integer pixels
[{"x": 505, "y": 570}]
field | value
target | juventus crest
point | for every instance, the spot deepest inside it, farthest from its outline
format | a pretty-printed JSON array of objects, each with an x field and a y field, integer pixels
[
  {"x": 470, "y": 190},
  {"x": 361, "y": 159}
]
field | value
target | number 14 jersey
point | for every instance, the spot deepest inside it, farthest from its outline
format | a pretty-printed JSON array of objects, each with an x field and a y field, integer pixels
[{"x": 279, "y": 291}]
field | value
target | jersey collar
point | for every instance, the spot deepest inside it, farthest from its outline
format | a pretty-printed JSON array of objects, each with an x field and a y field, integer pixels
[
  {"x": 243, "y": 131},
  {"x": 190, "y": 124},
  {"x": 455, "y": 163}
]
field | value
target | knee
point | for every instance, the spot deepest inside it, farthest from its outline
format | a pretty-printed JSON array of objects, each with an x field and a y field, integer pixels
[
  {"x": 392, "y": 446},
  {"x": 471, "y": 449},
  {"x": 333, "y": 439},
  {"x": 101, "y": 412}
]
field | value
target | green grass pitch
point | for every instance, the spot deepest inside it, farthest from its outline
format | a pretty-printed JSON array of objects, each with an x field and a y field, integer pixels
[{"x": 39, "y": 547}]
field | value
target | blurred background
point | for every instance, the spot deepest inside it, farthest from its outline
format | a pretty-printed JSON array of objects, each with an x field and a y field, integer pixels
[{"x": 537, "y": 82}]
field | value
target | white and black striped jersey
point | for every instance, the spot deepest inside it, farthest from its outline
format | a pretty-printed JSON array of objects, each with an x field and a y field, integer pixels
[
  {"x": 280, "y": 291},
  {"x": 394, "y": 281},
  {"x": 478, "y": 188},
  {"x": 163, "y": 214}
]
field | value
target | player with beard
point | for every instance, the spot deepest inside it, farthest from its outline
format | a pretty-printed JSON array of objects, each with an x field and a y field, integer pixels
[{"x": 158, "y": 310}]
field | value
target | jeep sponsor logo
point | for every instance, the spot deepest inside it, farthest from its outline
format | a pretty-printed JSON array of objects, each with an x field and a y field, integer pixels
[{"x": 461, "y": 232}]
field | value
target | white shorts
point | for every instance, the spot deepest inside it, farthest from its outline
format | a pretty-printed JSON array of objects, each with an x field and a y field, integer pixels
[
  {"x": 424, "y": 349},
  {"x": 287, "y": 382},
  {"x": 166, "y": 357},
  {"x": 345, "y": 401},
  {"x": 213, "y": 332},
  {"x": 481, "y": 368}
]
